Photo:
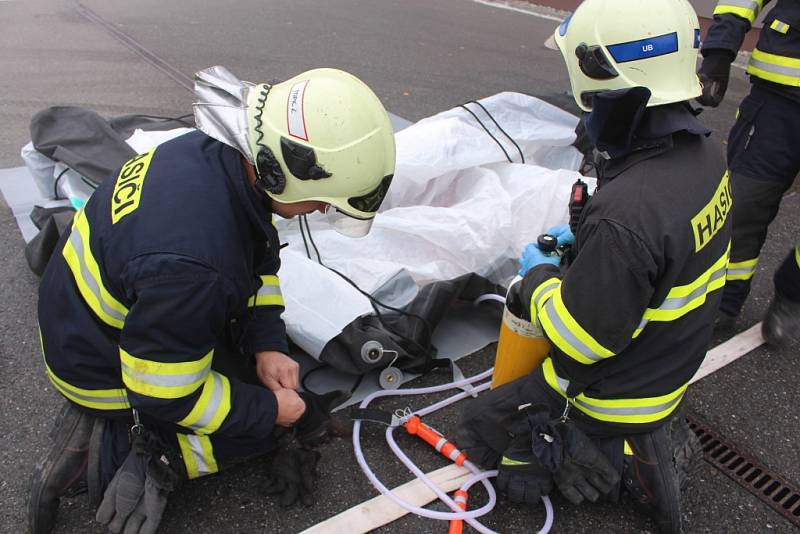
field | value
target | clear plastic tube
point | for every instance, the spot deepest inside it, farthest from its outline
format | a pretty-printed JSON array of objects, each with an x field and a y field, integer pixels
[{"x": 478, "y": 476}]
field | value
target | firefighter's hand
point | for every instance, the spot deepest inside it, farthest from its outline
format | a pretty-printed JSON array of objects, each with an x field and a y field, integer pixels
[
  {"x": 533, "y": 256},
  {"x": 714, "y": 74},
  {"x": 290, "y": 407},
  {"x": 277, "y": 371}
]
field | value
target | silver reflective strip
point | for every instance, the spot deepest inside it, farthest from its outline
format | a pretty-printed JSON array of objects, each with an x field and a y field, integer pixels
[
  {"x": 76, "y": 241},
  {"x": 197, "y": 451},
  {"x": 642, "y": 410},
  {"x": 675, "y": 303},
  {"x": 89, "y": 398},
  {"x": 460, "y": 499},
  {"x": 213, "y": 403},
  {"x": 269, "y": 290},
  {"x": 544, "y": 293},
  {"x": 741, "y": 271},
  {"x": 152, "y": 379},
  {"x": 568, "y": 336},
  {"x": 782, "y": 27},
  {"x": 454, "y": 454},
  {"x": 440, "y": 444},
  {"x": 775, "y": 69},
  {"x": 746, "y": 4}
]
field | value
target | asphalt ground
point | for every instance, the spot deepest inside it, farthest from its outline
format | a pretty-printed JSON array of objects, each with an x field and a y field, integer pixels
[{"x": 420, "y": 57}]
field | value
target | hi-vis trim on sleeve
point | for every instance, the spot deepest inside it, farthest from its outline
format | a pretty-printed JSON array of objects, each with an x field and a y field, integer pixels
[
  {"x": 540, "y": 295},
  {"x": 635, "y": 411},
  {"x": 775, "y": 68},
  {"x": 86, "y": 272},
  {"x": 269, "y": 294},
  {"x": 741, "y": 270},
  {"x": 212, "y": 407},
  {"x": 164, "y": 380},
  {"x": 566, "y": 334},
  {"x": 797, "y": 255},
  {"x": 779, "y": 26},
  {"x": 683, "y": 299},
  {"x": 747, "y": 9},
  {"x": 198, "y": 455}
]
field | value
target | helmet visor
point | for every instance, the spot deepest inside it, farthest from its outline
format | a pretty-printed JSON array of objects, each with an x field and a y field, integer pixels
[{"x": 347, "y": 225}]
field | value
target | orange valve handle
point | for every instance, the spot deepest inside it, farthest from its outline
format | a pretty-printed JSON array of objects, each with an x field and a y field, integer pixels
[
  {"x": 456, "y": 525},
  {"x": 433, "y": 438}
]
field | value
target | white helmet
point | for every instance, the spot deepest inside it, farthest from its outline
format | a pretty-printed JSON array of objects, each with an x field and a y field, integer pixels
[
  {"x": 617, "y": 44},
  {"x": 322, "y": 135}
]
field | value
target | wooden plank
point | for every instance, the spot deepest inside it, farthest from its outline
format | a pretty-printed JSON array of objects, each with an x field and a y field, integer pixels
[
  {"x": 381, "y": 510},
  {"x": 729, "y": 351}
]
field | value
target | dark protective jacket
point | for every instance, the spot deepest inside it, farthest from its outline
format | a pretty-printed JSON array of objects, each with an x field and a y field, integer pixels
[
  {"x": 631, "y": 319},
  {"x": 159, "y": 268},
  {"x": 775, "y": 62}
]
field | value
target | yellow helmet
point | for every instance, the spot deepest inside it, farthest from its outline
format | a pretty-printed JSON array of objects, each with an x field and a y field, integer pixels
[
  {"x": 617, "y": 44},
  {"x": 322, "y": 135}
]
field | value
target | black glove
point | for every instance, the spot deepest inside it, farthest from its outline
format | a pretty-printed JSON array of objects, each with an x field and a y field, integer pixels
[
  {"x": 312, "y": 427},
  {"x": 137, "y": 495},
  {"x": 521, "y": 477},
  {"x": 585, "y": 472},
  {"x": 714, "y": 74},
  {"x": 292, "y": 475}
]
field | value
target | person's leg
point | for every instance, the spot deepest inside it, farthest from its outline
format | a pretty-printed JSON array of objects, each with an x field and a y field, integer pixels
[
  {"x": 62, "y": 471},
  {"x": 782, "y": 320},
  {"x": 763, "y": 163}
]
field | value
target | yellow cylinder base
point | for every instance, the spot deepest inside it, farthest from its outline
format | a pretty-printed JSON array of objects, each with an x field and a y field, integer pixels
[{"x": 521, "y": 348}]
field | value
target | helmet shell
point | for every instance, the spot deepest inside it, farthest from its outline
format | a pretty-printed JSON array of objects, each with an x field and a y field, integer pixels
[
  {"x": 646, "y": 43},
  {"x": 336, "y": 117}
]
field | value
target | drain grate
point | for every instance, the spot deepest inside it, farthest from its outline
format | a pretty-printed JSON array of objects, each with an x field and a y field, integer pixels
[{"x": 772, "y": 489}]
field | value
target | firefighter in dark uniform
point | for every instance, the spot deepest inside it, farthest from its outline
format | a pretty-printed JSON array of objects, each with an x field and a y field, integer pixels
[
  {"x": 630, "y": 319},
  {"x": 763, "y": 154},
  {"x": 161, "y": 309}
]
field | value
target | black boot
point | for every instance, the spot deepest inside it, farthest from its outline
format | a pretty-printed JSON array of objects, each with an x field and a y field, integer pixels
[
  {"x": 781, "y": 321},
  {"x": 660, "y": 466},
  {"x": 62, "y": 472}
]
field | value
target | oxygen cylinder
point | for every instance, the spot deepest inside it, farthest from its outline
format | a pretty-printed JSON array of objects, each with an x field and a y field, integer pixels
[{"x": 522, "y": 345}]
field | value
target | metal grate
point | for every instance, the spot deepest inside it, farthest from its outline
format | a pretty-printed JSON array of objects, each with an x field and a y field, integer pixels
[{"x": 772, "y": 489}]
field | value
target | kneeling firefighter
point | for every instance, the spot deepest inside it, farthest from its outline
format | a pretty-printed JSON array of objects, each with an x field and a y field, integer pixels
[
  {"x": 160, "y": 313},
  {"x": 630, "y": 319}
]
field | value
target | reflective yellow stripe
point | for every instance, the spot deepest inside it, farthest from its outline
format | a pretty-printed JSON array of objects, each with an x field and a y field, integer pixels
[
  {"x": 540, "y": 295},
  {"x": 779, "y": 26},
  {"x": 98, "y": 399},
  {"x": 774, "y": 68},
  {"x": 636, "y": 411},
  {"x": 198, "y": 455},
  {"x": 164, "y": 380},
  {"x": 741, "y": 270},
  {"x": 682, "y": 299},
  {"x": 566, "y": 334},
  {"x": 86, "y": 272},
  {"x": 747, "y": 9},
  {"x": 269, "y": 294},
  {"x": 212, "y": 407},
  {"x": 797, "y": 255},
  {"x": 626, "y": 449},
  {"x": 509, "y": 461}
]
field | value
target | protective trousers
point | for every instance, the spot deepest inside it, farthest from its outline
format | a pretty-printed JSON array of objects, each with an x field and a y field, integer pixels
[
  {"x": 202, "y": 454},
  {"x": 763, "y": 161},
  {"x": 483, "y": 437}
]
